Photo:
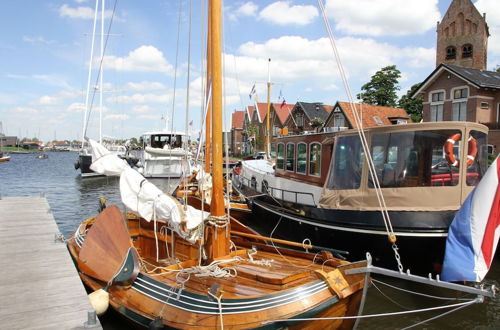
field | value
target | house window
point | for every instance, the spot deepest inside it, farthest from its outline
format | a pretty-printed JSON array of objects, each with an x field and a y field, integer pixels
[
  {"x": 315, "y": 159},
  {"x": 290, "y": 157},
  {"x": 437, "y": 104},
  {"x": 300, "y": 120},
  {"x": 279, "y": 157},
  {"x": 485, "y": 105},
  {"x": 301, "y": 158},
  {"x": 338, "y": 120},
  {"x": 451, "y": 53},
  {"x": 437, "y": 97},
  {"x": 459, "y": 107},
  {"x": 276, "y": 130},
  {"x": 467, "y": 50}
]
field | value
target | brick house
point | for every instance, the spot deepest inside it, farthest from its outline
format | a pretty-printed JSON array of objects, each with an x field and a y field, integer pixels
[
  {"x": 303, "y": 113},
  {"x": 237, "y": 121},
  {"x": 456, "y": 93},
  {"x": 342, "y": 116}
]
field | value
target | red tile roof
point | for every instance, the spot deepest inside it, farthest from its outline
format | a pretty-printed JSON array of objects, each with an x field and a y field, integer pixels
[
  {"x": 237, "y": 119},
  {"x": 250, "y": 110},
  {"x": 283, "y": 112},
  {"x": 262, "y": 111},
  {"x": 368, "y": 112}
]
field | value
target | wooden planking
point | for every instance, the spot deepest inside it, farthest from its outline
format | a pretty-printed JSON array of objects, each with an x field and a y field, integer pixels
[{"x": 40, "y": 287}]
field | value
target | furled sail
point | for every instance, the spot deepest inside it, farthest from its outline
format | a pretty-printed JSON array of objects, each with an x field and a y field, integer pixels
[{"x": 145, "y": 199}]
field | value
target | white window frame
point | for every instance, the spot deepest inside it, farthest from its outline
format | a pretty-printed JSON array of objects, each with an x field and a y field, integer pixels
[
  {"x": 337, "y": 118},
  {"x": 297, "y": 158},
  {"x": 463, "y": 100},
  {"x": 294, "y": 157},
  {"x": 309, "y": 159},
  {"x": 438, "y": 116}
]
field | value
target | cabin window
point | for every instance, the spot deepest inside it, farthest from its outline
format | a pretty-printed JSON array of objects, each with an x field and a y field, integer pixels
[
  {"x": 315, "y": 159},
  {"x": 476, "y": 170},
  {"x": 347, "y": 166},
  {"x": 290, "y": 157},
  {"x": 414, "y": 159},
  {"x": 451, "y": 53},
  {"x": 264, "y": 187},
  {"x": 280, "y": 163},
  {"x": 301, "y": 158}
]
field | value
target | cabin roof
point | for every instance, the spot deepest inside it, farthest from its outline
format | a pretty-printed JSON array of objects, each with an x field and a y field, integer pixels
[
  {"x": 237, "y": 119},
  {"x": 370, "y": 113}
]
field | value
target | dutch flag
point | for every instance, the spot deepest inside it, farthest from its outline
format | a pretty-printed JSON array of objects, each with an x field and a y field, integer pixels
[{"x": 474, "y": 232}]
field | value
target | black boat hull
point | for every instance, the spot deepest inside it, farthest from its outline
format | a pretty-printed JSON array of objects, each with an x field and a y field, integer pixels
[{"x": 421, "y": 236}]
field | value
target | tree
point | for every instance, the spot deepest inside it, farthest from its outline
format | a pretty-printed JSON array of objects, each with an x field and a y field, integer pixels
[
  {"x": 412, "y": 105},
  {"x": 381, "y": 89}
]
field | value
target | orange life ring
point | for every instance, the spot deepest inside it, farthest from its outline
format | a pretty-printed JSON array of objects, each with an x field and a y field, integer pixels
[{"x": 450, "y": 156}]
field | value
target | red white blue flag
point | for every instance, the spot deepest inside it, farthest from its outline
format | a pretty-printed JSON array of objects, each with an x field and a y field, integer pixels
[{"x": 474, "y": 232}]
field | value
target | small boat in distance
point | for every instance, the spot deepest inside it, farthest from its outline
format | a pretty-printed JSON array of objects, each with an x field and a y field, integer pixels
[
  {"x": 4, "y": 157},
  {"x": 164, "y": 155},
  {"x": 42, "y": 156}
]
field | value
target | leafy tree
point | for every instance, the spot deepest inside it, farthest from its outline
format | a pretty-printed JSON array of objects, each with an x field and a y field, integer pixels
[
  {"x": 412, "y": 105},
  {"x": 381, "y": 89}
]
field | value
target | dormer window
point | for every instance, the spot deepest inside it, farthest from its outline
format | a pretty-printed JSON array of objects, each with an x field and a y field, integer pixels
[
  {"x": 300, "y": 120},
  {"x": 451, "y": 53},
  {"x": 467, "y": 50}
]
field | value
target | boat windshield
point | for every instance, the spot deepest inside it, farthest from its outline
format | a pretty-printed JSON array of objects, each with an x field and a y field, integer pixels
[
  {"x": 409, "y": 159},
  {"x": 418, "y": 158}
]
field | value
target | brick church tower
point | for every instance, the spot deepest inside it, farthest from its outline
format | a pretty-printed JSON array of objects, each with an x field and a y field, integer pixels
[{"x": 462, "y": 36}]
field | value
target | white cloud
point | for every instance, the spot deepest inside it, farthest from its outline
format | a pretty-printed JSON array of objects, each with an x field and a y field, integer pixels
[
  {"x": 26, "y": 110},
  {"x": 384, "y": 17},
  {"x": 153, "y": 117},
  {"x": 144, "y": 85},
  {"x": 142, "y": 59},
  {"x": 140, "y": 98},
  {"x": 142, "y": 108},
  {"x": 247, "y": 9},
  {"x": 76, "y": 107},
  {"x": 37, "y": 39},
  {"x": 117, "y": 117},
  {"x": 78, "y": 12},
  {"x": 48, "y": 100},
  {"x": 49, "y": 79},
  {"x": 84, "y": 12},
  {"x": 282, "y": 13}
]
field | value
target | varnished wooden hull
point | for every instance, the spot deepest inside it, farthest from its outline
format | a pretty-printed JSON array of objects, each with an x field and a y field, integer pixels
[{"x": 259, "y": 296}]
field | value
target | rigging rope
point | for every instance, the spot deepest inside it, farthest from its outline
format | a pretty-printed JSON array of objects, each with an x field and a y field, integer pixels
[{"x": 371, "y": 166}]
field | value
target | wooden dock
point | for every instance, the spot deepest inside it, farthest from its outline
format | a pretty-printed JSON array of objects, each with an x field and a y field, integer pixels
[{"x": 39, "y": 285}]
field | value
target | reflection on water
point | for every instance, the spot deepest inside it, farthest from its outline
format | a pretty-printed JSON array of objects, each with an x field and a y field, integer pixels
[{"x": 73, "y": 199}]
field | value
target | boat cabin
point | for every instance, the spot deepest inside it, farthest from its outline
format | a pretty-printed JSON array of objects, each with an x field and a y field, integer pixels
[
  {"x": 427, "y": 157},
  {"x": 163, "y": 140}
]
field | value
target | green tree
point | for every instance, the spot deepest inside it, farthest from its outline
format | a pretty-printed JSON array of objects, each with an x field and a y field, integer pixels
[
  {"x": 381, "y": 89},
  {"x": 412, "y": 105}
]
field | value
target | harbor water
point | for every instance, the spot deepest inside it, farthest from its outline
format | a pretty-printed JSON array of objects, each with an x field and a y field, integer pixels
[{"x": 73, "y": 199}]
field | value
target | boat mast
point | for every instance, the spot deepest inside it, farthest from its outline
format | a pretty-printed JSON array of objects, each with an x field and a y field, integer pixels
[
  {"x": 84, "y": 129},
  {"x": 208, "y": 119},
  {"x": 217, "y": 240},
  {"x": 101, "y": 87},
  {"x": 268, "y": 135}
]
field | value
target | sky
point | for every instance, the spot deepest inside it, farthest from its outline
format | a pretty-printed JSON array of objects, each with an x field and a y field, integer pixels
[{"x": 45, "y": 56}]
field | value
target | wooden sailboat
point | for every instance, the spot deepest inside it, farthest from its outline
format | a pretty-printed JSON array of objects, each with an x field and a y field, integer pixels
[{"x": 163, "y": 268}]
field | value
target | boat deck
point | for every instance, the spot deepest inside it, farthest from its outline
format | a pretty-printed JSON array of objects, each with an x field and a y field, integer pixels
[{"x": 40, "y": 287}]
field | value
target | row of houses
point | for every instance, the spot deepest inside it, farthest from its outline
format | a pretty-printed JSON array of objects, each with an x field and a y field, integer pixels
[{"x": 249, "y": 126}]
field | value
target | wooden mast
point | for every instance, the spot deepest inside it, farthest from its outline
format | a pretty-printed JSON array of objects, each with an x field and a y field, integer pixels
[
  {"x": 208, "y": 119},
  {"x": 217, "y": 240}
]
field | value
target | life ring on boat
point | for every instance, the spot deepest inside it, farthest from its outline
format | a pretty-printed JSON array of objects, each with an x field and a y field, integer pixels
[
  {"x": 237, "y": 170},
  {"x": 450, "y": 156}
]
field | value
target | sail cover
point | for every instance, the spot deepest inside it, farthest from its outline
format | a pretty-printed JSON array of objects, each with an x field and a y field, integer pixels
[{"x": 145, "y": 199}]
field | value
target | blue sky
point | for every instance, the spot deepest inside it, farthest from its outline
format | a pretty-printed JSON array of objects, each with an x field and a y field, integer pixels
[{"x": 45, "y": 48}]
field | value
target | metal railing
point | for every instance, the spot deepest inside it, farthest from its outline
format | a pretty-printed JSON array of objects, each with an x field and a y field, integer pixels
[{"x": 278, "y": 192}]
